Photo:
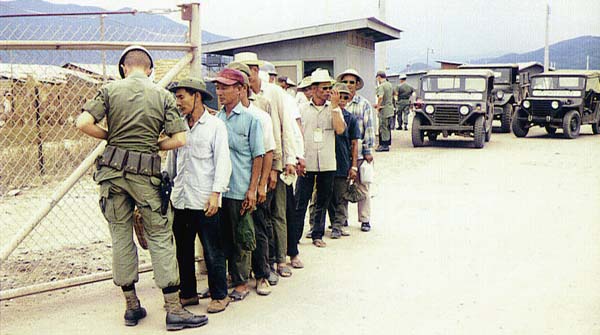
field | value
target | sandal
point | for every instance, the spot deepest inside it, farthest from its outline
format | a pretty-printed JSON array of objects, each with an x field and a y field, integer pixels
[
  {"x": 238, "y": 296},
  {"x": 284, "y": 271},
  {"x": 319, "y": 243},
  {"x": 297, "y": 264}
]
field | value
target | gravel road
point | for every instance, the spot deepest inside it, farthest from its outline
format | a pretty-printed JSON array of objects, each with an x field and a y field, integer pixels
[{"x": 500, "y": 240}]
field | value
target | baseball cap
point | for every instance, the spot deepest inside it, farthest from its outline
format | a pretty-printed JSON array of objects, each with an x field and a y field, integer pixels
[{"x": 229, "y": 77}]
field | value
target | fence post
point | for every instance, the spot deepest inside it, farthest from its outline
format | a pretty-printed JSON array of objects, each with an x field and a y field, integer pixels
[
  {"x": 196, "y": 41},
  {"x": 40, "y": 145}
]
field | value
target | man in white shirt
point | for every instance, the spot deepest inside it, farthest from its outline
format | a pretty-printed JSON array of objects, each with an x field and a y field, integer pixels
[{"x": 200, "y": 171}]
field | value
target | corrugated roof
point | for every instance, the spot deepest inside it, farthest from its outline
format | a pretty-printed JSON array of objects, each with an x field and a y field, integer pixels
[
  {"x": 479, "y": 66},
  {"x": 112, "y": 71},
  {"x": 380, "y": 31},
  {"x": 44, "y": 73}
]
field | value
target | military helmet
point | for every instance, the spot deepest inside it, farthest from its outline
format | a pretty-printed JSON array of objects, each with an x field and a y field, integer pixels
[{"x": 131, "y": 48}]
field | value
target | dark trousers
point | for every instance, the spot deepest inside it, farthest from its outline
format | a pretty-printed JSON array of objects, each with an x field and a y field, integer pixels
[
  {"x": 304, "y": 190},
  {"x": 263, "y": 230},
  {"x": 186, "y": 225},
  {"x": 293, "y": 228},
  {"x": 238, "y": 258}
]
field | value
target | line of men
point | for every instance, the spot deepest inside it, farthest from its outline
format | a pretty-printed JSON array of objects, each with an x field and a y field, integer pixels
[{"x": 233, "y": 176}]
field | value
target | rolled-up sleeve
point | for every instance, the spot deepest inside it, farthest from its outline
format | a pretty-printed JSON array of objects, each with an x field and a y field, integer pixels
[
  {"x": 98, "y": 106},
  {"x": 221, "y": 159},
  {"x": 173, "y": 121}
]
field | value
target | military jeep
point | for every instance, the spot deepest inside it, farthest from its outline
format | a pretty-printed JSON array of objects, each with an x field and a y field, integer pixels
[
  {"x": 560, "y": 99},
  {"x": 458, "y": 102},
  {"x": 507, "y": 90}
]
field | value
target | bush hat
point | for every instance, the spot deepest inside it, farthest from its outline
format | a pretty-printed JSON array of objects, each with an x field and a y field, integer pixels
[
  {"x": 342, "y": 88},
  {"x": 240, "y": 67},
  {"x": 360, "y": 82},
  {"x": 321, "y": 76},
  {"x": 248, "y": 58},
  {"x": 196, "y": 84},
  {"x": 306, "y": 82},
  {"x": 269, "y": 68}
]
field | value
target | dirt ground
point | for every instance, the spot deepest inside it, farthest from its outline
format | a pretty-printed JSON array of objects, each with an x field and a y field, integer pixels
[{"x": 502, "y": 240}]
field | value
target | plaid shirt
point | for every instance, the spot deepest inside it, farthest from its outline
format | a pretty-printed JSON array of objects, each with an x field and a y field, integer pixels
[{"x": 361, "y": 109}]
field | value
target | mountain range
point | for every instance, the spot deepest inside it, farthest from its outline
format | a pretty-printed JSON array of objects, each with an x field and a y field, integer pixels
[{"x": 568, "y": 54}]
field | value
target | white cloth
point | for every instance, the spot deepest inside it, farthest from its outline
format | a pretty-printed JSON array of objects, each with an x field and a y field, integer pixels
[
  {"x": 267, "y": 124},
  {"x": 202, "y": 166}
]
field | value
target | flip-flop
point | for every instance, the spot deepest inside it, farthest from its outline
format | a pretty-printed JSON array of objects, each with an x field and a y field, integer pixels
[
  {"x": 284, "y": 271},
  {"x": 297, "y": 264},
  {"x": 238, "y": 296},
  {"x": 204, "y": 293}
]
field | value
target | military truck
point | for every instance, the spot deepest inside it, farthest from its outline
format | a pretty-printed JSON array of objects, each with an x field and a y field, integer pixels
[
  {"x": 458, "y": 102},
  {"x": 507, "y": 90},
  {"x": 559, "y": 99}
]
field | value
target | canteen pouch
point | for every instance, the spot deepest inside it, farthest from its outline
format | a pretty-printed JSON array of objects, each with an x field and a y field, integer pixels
[
  {"x": 104, "y": 159},
  {"x": 118, "y": 159},
  {"x": 133, "y": 162},
  {"x": 146, "y": 164}
]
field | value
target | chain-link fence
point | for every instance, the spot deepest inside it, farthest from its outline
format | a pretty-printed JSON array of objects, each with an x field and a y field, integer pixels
[{"x": 42, "y": 92}]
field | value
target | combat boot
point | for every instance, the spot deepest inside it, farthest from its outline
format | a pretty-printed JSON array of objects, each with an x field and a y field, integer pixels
[
  {"x": 179, "y": 317},
  {"x": 134, "y": 311}
]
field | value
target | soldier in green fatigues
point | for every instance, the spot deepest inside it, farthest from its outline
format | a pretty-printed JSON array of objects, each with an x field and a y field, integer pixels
[
  {"x": 137, "y": 110},
  {"x": 403, "y": 93},
  {"x": 385, "y": 106}
]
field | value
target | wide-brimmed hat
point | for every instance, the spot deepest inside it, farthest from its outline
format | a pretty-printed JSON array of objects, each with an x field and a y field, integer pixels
[
  {"x": 269, "y": 68},
  {"x": 240, "y": 67},
  {"x": 402, "y": 76},
  {"x": 321, "y": 76},
  {"x": 342, "y": 88},
  {"x": 248, "y": 58},
  {"x": 196, "y": 84},
  {"x": 360, "y": 82},
  {"x": 131, "y": 48},
  {"x": 229, "y": 77},
  {"x": 306, "y": 82}
]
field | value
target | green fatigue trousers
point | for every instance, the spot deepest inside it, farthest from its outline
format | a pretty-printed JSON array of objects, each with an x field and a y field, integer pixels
[
  {"x": 118, "y": 197},
  {"x": 238, "y": 242},
  {"x": 385, "y": 135},
  {"x": 279, "y": 222}
]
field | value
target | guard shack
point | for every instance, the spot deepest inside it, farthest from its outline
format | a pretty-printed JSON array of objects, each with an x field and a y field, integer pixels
[{"x": 335, "y": 47}]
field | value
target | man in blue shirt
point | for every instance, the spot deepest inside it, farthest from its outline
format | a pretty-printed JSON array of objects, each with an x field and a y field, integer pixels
[{"x": 245, "y": 135}]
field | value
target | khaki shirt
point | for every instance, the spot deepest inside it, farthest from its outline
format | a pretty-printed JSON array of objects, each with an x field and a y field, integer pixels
[
  {"x": 385, "y": 90},
  {"x": 285, "y": 152},
  {"x": 136, "y": 110},
  {"x": 319, "y": 137}
]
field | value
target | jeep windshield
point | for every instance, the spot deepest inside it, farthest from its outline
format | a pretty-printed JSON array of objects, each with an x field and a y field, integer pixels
[
  {"x": 557, "y": 86},
  {"x": 453, "y": 88},
  {"x": 501, "y": 75}
]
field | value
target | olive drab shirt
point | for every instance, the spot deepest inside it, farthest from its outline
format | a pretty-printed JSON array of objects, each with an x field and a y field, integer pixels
[
  {"x": 385, "y": 90},
  {"x": 137, "y": 110},
  {"x": 404, "y": 92}
]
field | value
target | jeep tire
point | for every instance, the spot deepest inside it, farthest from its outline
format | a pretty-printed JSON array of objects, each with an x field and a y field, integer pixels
[
  {"x": 596, "y": 127},
  {"x": 506, "y": 117},
  {"x": 416, "y": 132},
  {"x": 571, "y": 124},
  {"x": 519, "y": 127},
  {"x": 479, "y": 132}
]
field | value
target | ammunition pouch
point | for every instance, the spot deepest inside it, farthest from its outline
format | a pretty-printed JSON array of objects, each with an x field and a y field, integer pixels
[{"x": 130, "y": 161}]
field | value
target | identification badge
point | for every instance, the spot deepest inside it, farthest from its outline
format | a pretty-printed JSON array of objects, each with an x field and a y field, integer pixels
[{"x": 318, "y": 135}]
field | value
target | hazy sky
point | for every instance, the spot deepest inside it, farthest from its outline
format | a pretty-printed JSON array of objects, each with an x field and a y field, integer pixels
[{"x": 455, "y": 29}]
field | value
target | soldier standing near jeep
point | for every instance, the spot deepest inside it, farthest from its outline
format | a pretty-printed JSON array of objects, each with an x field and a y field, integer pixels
[
  {"x": 403, "y": 92},
  {"x": 128, "y": 172}
]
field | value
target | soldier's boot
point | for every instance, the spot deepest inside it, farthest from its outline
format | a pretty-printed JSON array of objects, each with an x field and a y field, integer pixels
[
  {"x": 179, "y": 317},
  {"x": 133, "y": 310}
]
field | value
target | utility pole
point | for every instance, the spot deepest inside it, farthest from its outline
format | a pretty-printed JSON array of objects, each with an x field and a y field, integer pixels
[
  {"x": 546, "y": 46},
  {"x": 381, "y": 47},
  {"x": 587, "y": 62},
  {"x": 427, "y": 62}
]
